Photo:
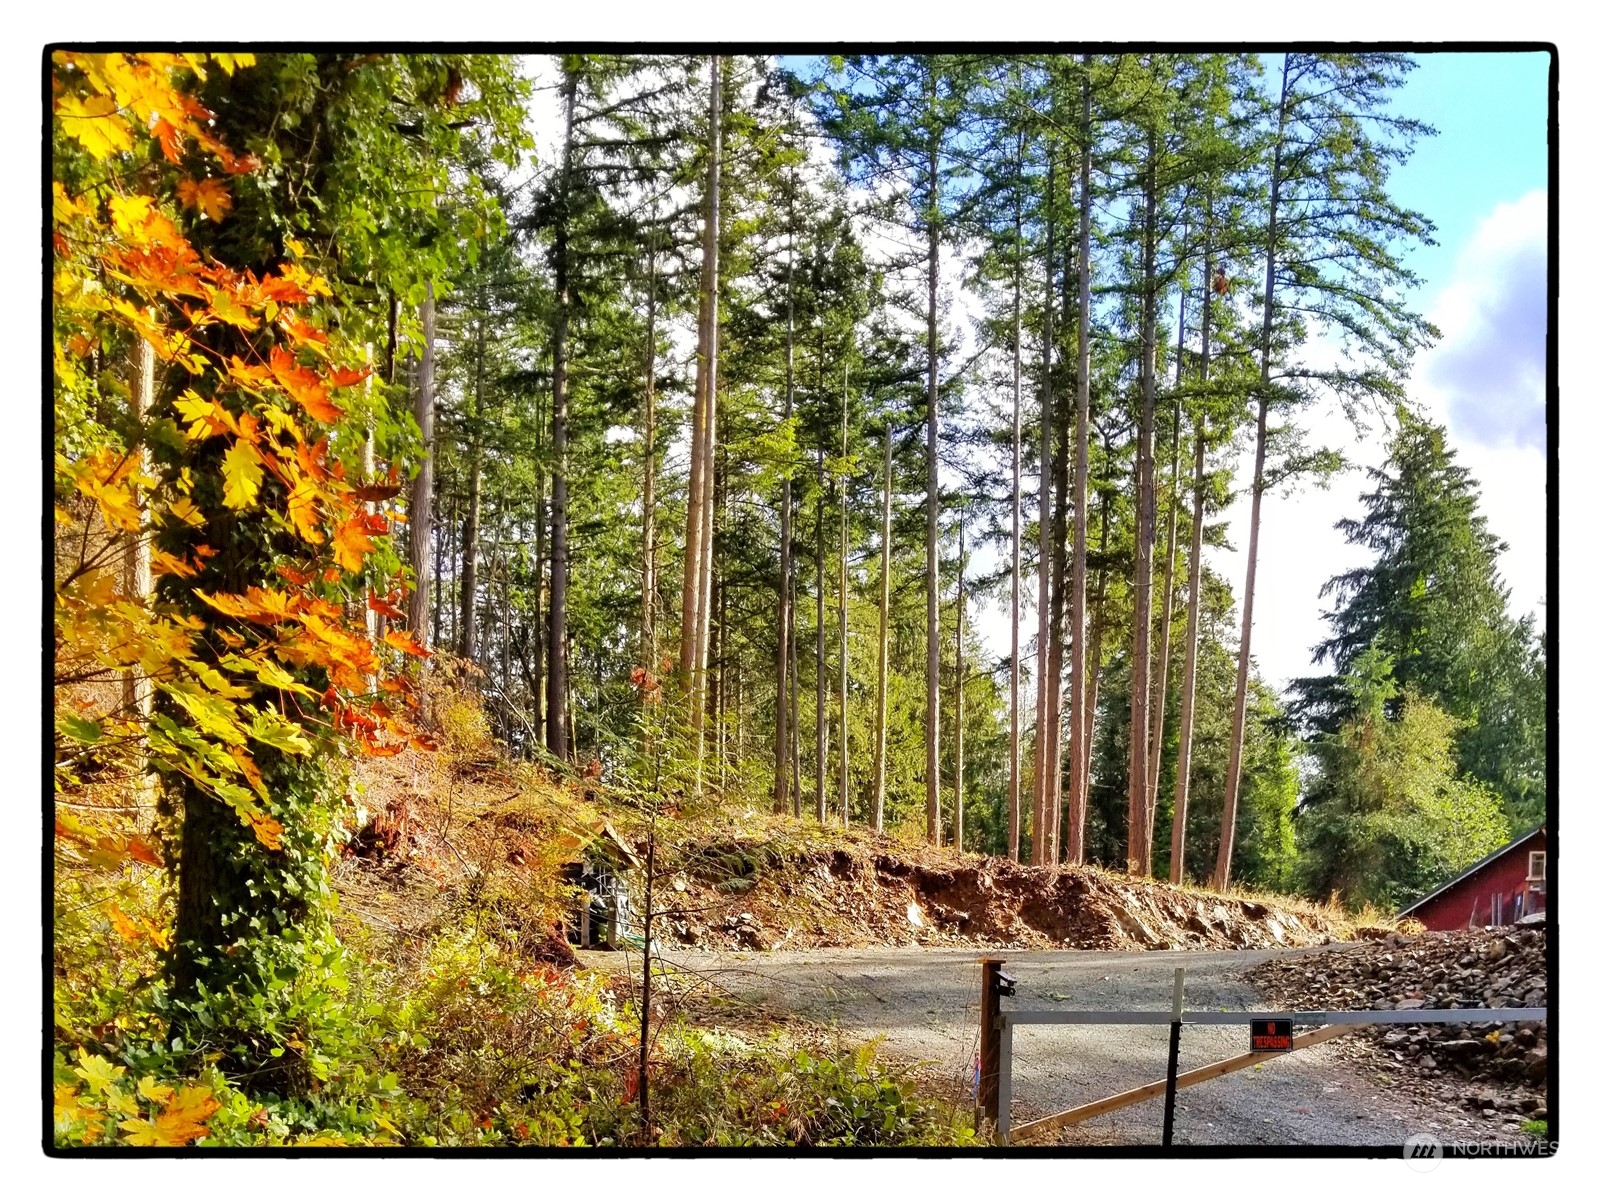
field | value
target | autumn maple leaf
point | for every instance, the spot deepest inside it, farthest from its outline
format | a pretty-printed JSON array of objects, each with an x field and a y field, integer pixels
[
  {"x": 402, "y": 639},
  {"x": 209, "y": 197}
]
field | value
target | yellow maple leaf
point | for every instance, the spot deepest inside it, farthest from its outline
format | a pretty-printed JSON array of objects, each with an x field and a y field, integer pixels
[
  {"x": 303, "y": 512},
  {"x": 94, "y": 121},
  {"x": 97, "y": 1072},
  {"x": 351, "y": 544},
  {"x": 183, "y": 1119},
  {"x": 209, "y": 197},
  {"x": 185, "y": 510},
  {"x": 241, "y": 475}
]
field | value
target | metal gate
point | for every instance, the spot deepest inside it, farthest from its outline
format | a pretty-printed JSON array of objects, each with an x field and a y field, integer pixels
[{"x": 998, "y": 1025}]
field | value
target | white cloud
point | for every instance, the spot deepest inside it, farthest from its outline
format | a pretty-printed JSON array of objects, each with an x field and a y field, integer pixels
[
  {"x": 1488, "y": 369},
  {"x": 1485, "y": 381}
]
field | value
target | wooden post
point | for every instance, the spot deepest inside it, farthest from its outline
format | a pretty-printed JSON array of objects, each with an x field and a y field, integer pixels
[
  {"x": 1172, "y": 1057},
  {"x": 1003, "y": 1083},
  {"x": 989, "y": 1042}
]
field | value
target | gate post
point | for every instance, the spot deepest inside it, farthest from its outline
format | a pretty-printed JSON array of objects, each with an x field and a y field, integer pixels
[
  {"x": 989, "y": 1042},
  {"x": 1172, "y": 1057}
]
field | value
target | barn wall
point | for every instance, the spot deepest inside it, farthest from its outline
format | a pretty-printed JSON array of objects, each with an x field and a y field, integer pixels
[{"x": 1507, "y": 875}]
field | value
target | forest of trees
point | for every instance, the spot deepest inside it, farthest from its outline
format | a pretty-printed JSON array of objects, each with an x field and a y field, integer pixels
[
  {"x": 930, "y": 299},
  {"x": 755, "y": 376}
]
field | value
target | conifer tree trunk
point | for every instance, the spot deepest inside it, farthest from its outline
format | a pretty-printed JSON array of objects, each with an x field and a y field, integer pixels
[
  {"x": 420, "y": 514},
  {"x": 556, "y": 689},
  {"x": 540, "y": 641},
  {"x": 647, "y": 616},
  {"x": 1180, "y": 783},
  {"x": 1082, "y": 716},
  {"x": 1051, "y": 852},
  {"x": 931, "y": 728},
  {"x": 781, "y": 781},
  {"x": 1097, "y": 621},
  {"x": 822, "y": 665},
  {"x": 1158, "y": 716},
  {"x": 881, "y": 727},
  {"x": 844, "y": 606},
  {"x": 1144, "y": 542},
  {"x": 1014, "y": 756},
  {"x": 1230, "y": 799},
  {"x": 469, "y": 540},
  {"x": 696, "y": 552},
  {"x": 1043, "y": 729},
  {"x": 961, "y": 679}
]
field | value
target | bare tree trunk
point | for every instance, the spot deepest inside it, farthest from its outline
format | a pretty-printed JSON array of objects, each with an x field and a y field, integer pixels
[
  {"x": 695, "y": 600},
  {"x": 794, "y": 690},
  {"x": 420, "y": 517},
  {"x": 1158, "y": 718},
  {"x": 1180, "y": 785},
  {"x": 961, "y": 679},
  {"x": 822, "y": 665},
  {"x": 881, "y": 730},
  {"x": 1144, "y": 542},
  {"x": 781, "y": 781},
  {"x": 556, "y": 666},
  {"x": 1081, "y": 719},
  {"x": 469, "y": 542},
  {"x": 931, "y": 730},
  {"x": 1043, "y": 738},
  {"x": 1014, "y": 750},
  {"x": 1096, "y": 641},
  {"x": 844, "y": 605},
  {"x": 137, "y": 693},
  {"x": 708, "y": 514},
  {"x": 647, "y": 618},
  {"x": 1051, "y": 853},
  {"x": 540, "y": 641},
  {"x": 1241, "y": 694}
]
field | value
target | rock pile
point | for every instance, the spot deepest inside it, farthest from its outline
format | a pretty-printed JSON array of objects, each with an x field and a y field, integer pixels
[
  {"x": 746, "y": 895},
  {"x": 1478, "y": 968}
]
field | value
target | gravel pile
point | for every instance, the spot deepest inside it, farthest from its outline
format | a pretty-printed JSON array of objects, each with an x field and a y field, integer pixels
[{"x": 1502, "y": 1064}]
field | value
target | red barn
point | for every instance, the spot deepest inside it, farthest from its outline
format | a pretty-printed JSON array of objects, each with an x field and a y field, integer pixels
[{"x": 1496, "y": 890}]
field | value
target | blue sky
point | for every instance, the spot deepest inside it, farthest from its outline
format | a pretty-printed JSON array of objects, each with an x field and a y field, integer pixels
[{"x": 1482, "y": 181}]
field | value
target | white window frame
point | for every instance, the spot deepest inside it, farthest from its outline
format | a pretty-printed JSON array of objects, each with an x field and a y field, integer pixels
[{"x": 1536, "y": 856}]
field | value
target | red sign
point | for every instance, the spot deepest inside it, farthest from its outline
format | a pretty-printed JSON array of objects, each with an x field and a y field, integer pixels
[{"x": 1271, "y": 1037}]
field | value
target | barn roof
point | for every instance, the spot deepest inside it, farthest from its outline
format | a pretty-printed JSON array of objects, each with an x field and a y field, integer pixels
[{"x": 1472, "y": 870}]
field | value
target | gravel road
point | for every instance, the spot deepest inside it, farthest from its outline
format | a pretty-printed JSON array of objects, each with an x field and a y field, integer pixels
[{"x": 923, "y": 1003}]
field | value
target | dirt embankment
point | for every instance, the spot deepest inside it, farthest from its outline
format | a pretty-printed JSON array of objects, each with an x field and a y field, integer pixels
[
  {"x": 1493, "y": 1067},
  {"x": 867, "y": 891}
]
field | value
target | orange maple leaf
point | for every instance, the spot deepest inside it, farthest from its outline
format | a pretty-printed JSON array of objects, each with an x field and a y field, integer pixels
[
  {"x": 209, "y": 197},
  {"x": 304, "y": 386},
  {"x": 402, "y": 639}
]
